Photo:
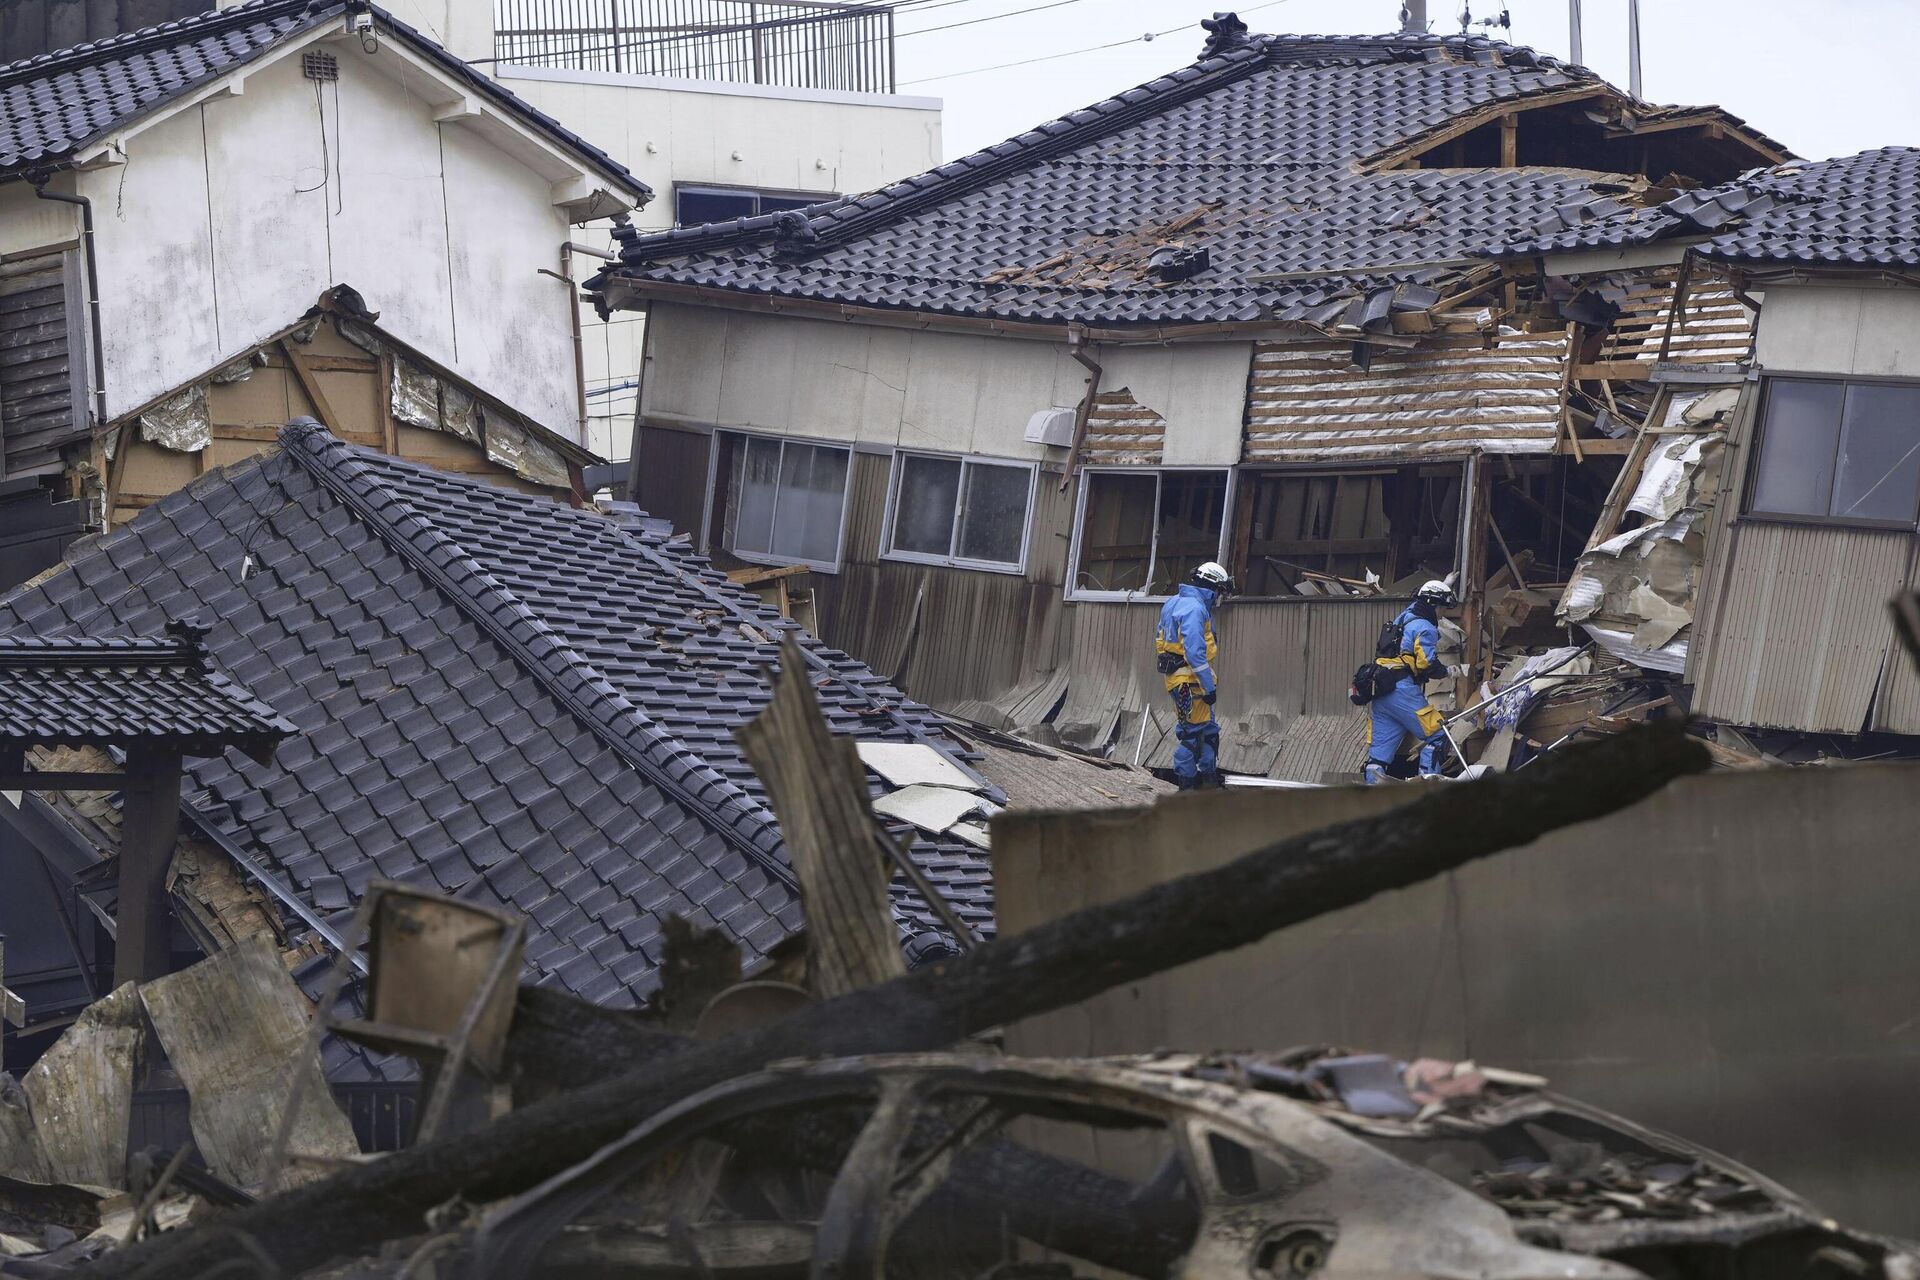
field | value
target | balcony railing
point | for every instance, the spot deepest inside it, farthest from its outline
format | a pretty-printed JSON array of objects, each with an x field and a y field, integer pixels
[{"x": 804, "y": 44}]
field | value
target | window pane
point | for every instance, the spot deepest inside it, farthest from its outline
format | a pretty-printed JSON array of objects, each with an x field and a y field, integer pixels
[
  {"x": 923, "y": 509},
  {"x": 1879, "y": 470},
  {"x": 756, "y": 469},
  {"x": 693, "y": 207},
  {"x": 993, "y": 520},
  {"x": 813, "y": 484},
  {"x": 1117, "y": 533},
  {"x": 1797, "y": 442},
  {"x": 1193, "y": 508}
]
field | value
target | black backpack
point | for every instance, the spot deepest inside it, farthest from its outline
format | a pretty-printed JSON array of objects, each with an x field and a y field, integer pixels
[{"x": 1370, "y": 679}]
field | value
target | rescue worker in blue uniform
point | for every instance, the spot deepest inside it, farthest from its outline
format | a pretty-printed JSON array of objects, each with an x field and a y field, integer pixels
[
  {"x": 1404, "y": 710},
  {"x": 1185, "y": 649}
]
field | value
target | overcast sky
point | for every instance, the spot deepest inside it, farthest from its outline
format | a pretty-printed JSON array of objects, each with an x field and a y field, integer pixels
[{"x": 1825, "y": 77}]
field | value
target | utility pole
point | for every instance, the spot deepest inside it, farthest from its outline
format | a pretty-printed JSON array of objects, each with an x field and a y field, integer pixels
[
  {"x": 1413, "y": 17},
  {"x": 1575, "y": 53},
  {"x": 1633, "y": 47}
]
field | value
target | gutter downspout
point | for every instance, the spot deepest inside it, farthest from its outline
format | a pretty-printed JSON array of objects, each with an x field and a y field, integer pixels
[
  {"x": 39, "y": 183},
  {"x": 1076, "y": 347},
  {"x": 567, "y": 249}
]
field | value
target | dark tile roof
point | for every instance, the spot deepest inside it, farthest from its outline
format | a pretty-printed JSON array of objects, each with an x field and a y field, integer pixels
[
  {"x": 54, "y": 105},
  {"x": 1259, "y": 145},
  {"x": 121, "y": 691},
  {"x": 495, "y": 695},
  {"x": 1855, "y": 211}
]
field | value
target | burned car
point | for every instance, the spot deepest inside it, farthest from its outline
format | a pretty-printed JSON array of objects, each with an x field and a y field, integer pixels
[{"x": 1270, "y": 1167}]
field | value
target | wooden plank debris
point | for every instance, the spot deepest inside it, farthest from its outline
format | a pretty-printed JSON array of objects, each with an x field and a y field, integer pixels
[
  {"x": 819, "y": 792},
  {"x": 234, "y": 1027}
]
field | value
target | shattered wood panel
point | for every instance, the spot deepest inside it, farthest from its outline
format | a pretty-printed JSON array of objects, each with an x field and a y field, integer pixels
[
  {"x": 235, "y": 1028},
  {"x": 1715, "y": 328},
  {"x": 819, "y": 790},
  {"x": 81, "y": 1092},
  {"x": 1307, "y": 403},
  {"x": 1122, "y": 430},
  {"x": 1800, "y": 634}
]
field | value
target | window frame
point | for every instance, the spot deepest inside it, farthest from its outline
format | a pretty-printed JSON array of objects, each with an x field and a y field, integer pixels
[
  {"x": 1751, "y": 478},
  {"x": 1254, "y": 472},
  {"x": 896, "y": 471},
  {"x": 709, "y": 541},
  {"x": 1075, "y": 593},
  {"x": 757, "y": 193}
]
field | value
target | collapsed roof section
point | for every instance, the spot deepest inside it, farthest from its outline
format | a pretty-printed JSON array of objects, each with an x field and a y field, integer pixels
[
  {"x": 1856, "y": 211},
  {"x": 496, "y": 695},
  {"x": 1277, "y": 179}
]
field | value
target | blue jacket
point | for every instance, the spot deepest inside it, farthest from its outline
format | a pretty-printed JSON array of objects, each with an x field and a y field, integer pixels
[
  {"x": 1419, "y": 643},
  {"x": 1186, "y": 628}
]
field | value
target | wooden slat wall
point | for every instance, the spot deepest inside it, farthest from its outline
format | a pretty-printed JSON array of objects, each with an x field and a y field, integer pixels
[
  {"x": 1122, "y": 430},
  {"x": 38, "y": 395},
  {"x": 1307, "y": 403},
  {"x": 1715, "y": 329}
]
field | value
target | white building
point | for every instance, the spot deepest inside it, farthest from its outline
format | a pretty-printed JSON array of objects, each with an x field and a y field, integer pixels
[{"x": 736, "y": 110}]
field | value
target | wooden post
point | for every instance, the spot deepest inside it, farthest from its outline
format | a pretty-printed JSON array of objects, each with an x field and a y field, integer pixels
[
  {"x": 1473, "y": 593},
  {"x": 1509, "y": 141},
  {"x": 143, "y": 921}
]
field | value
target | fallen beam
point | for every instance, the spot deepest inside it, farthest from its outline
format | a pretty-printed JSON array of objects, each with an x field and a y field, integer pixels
[{"x": 1057, "y": 964}]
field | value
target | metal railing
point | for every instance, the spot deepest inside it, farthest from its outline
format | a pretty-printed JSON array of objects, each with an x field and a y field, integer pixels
[{"x": 803, "y": 44}]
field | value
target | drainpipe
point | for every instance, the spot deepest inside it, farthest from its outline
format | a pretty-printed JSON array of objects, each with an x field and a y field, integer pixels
[
  {"x": 39, "y": 184},
  {"x": 567, "y": 249},
  {"x": 1077, "y": 347}
]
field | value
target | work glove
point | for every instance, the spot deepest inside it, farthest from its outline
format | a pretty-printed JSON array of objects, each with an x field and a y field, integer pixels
[{"x": 1209, "y": 697}]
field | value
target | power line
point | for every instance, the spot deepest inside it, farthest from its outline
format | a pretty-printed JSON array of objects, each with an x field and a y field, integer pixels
[
  {"x": 992, "y": 17},
  {"x": 1074, "y": 53}
]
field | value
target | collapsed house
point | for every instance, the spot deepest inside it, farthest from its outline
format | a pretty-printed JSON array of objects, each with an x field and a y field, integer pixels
[
  {"x": 145, "y": 178},
  {"x": 493, "y": 694},
  {"x": 1238, "y": 313},
  {"x": 1775, "y": 502}
]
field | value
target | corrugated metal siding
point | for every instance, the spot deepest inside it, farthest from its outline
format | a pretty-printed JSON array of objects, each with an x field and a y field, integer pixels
[
  {"x": 673, "y": 476},
  {"x": 1306, "y": 402},
  {"x": 1801, "y": 631},
  {"x": 39, "y": 396},
  {"x": 1122, "y": 430}
]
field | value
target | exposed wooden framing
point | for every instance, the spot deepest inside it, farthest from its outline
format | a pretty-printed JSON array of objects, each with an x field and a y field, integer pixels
[
  {"x": 1460, "y": 126},
  {"x": 1566, "y": 388},
  {"x": 116, "y": 472},
  {"x": 389, "y": 430},
  {"x": 311, "y": 385},
  {"x": 1473, "y": 574},
  {"x": 1613, "y": 371},
  {"x": 1676, "y": 310},
  {"x": 1509, "y": 140}
]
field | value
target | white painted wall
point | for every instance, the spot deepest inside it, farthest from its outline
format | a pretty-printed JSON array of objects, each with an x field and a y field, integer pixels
[
  {"x": 28, "y": 222},
  {"x": 689, "y": 131},
  {"x": 1199, "y": 388},
  {"x": 832, "y": 380},
  {"x": 228, "y": 219},
  {"x": 1816, "y": 328}
]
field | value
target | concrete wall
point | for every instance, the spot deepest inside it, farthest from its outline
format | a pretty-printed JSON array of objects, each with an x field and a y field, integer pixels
[
  {"x": 1731, "y": 961},
  {"x": 1810, "y": 328},
  {"x": 230, "y": 217}
]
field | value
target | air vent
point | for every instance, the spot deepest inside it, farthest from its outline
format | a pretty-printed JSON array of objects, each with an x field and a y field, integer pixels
[{"x": 317, "y": 64}]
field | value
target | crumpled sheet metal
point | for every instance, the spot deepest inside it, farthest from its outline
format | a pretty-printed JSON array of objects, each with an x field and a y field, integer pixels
[
  {"x": 237, "y": 370},
  {"x": 512, "y": 447},
  {"x": 1674, "y": 473},
  {"x": 1634, "y": 593},
  {"x": 181, "y": 423},
  {"x": 416, "y": 396},
  {"x": 460, "y": 413}
]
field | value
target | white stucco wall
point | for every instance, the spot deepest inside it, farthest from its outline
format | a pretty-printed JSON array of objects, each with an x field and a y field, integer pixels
[
  {"x": 1815, "y": 328},
  {"x": 688, "y": 131},
  {"x": 1200, "y": 388},
  {"x": 868, "y": 384},
  {"x": 28, "y": 222},
  {"x": 229, "y": 218}
]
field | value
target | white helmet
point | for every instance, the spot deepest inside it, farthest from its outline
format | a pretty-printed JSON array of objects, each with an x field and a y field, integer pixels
[
  {"x": 1436, "y": 592},
  {"x": 1213, "y": 577}
]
